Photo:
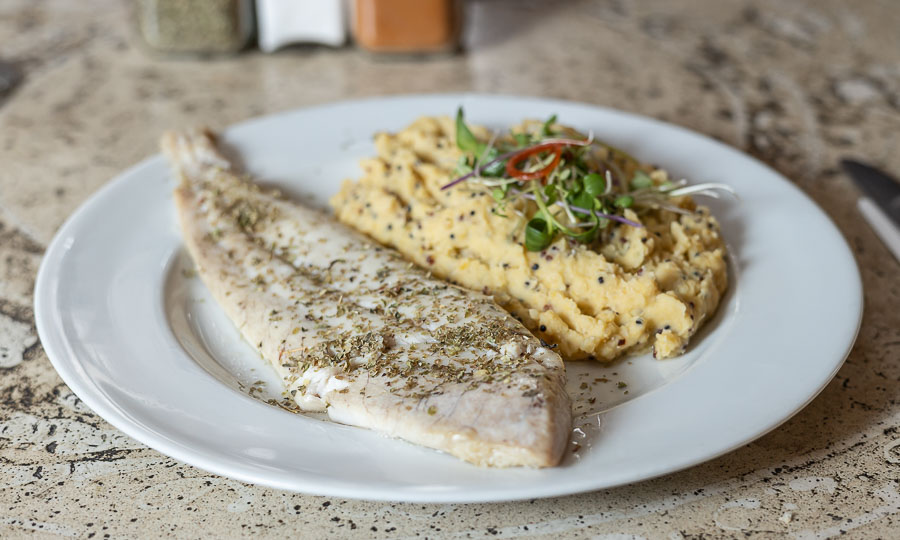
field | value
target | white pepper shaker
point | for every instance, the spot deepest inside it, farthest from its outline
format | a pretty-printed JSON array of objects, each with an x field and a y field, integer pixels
[{"x": 283, "y": 22}]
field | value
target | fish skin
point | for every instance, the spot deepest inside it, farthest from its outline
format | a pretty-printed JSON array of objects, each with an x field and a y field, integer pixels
[{"x": 354, "y": 329}]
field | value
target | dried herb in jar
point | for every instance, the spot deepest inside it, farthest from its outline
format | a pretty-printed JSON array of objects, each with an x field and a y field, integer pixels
[{"x": 195, "y": 26}]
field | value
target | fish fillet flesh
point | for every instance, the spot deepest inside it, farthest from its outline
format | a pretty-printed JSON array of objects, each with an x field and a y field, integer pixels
[{"x": 358, "y": 332}]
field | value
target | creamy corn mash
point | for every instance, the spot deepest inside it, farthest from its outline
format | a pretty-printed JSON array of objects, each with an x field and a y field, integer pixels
[{"x": 634, "y": 288}]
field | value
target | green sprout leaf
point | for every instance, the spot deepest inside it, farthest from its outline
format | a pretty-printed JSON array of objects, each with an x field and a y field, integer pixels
[
  {"x": 641, "y": 181},
  {"x": 550, "y": 193},
  {"x": 546, "y": 129},
  {"x": 594, "y": 185},
  {"x": 494, "y": 169},
  {"x": 465, "y": 139},
  {"x": 537, "y": 234},
  {"x": 624, "y": 201},
  {"x": 462, "y": 165},
  {"x": 583, "y": 200}
]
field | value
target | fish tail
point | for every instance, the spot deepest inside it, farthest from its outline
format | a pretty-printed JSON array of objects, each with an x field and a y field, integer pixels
[{"x": 193, "y": 153}]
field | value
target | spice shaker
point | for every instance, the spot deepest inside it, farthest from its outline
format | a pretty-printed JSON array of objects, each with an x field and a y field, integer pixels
[
  {"x": 195, "y": 26},
  {"x": 407, "y": 26},
  {"x": 282, "y": 22}
]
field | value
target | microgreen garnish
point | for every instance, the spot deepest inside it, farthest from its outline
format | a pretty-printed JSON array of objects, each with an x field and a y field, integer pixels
[
  {"x": 640, "y": 181},
  {"x": 537, "y": 235},
  {"x": 465, "y": 139},
  {"x": 578, "y": 185}
]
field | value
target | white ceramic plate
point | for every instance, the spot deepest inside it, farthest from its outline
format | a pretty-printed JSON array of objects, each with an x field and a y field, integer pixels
[{"x": 147, "y": 349}]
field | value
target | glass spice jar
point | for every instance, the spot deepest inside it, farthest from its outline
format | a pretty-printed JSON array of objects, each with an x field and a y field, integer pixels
[
  {"x": 195, "y": 26},
  {"x": 407, "y": 26}
]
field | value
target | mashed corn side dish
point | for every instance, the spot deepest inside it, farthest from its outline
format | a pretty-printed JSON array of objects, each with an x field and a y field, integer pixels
[{"x": 632, "y": 289}]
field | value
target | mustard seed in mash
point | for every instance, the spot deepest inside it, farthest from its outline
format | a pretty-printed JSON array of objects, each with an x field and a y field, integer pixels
[{"x": 591, "y": 249}]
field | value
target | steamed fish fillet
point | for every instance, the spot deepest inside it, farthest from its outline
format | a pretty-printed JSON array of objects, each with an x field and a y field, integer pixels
[{"x": 358, "y": 332}]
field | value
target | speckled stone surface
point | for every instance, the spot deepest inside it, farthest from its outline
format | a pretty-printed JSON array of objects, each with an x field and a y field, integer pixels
[{"x": 798, "y": 84}]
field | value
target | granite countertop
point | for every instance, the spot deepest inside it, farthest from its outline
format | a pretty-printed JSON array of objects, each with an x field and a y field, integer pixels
[{"x": 797, "y": 84}]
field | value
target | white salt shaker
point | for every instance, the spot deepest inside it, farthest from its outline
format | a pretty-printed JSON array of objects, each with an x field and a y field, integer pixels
[{"x": 282, "y": 22}]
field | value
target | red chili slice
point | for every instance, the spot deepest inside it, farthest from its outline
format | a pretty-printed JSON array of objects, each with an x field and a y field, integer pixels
[
  {"x": 515, "y": 172},
  {"x": 556, "y": 146}
]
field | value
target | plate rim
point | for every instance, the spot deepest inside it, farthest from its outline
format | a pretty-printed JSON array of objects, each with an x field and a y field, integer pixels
[{"x": 56, "y": 346}]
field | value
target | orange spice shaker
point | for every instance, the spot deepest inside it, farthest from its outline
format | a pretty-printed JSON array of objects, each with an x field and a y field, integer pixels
[{"x": 407, "y": 26}]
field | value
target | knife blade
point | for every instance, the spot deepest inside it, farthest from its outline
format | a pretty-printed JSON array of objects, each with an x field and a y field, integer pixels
[{"x": 880, "y": 204}]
